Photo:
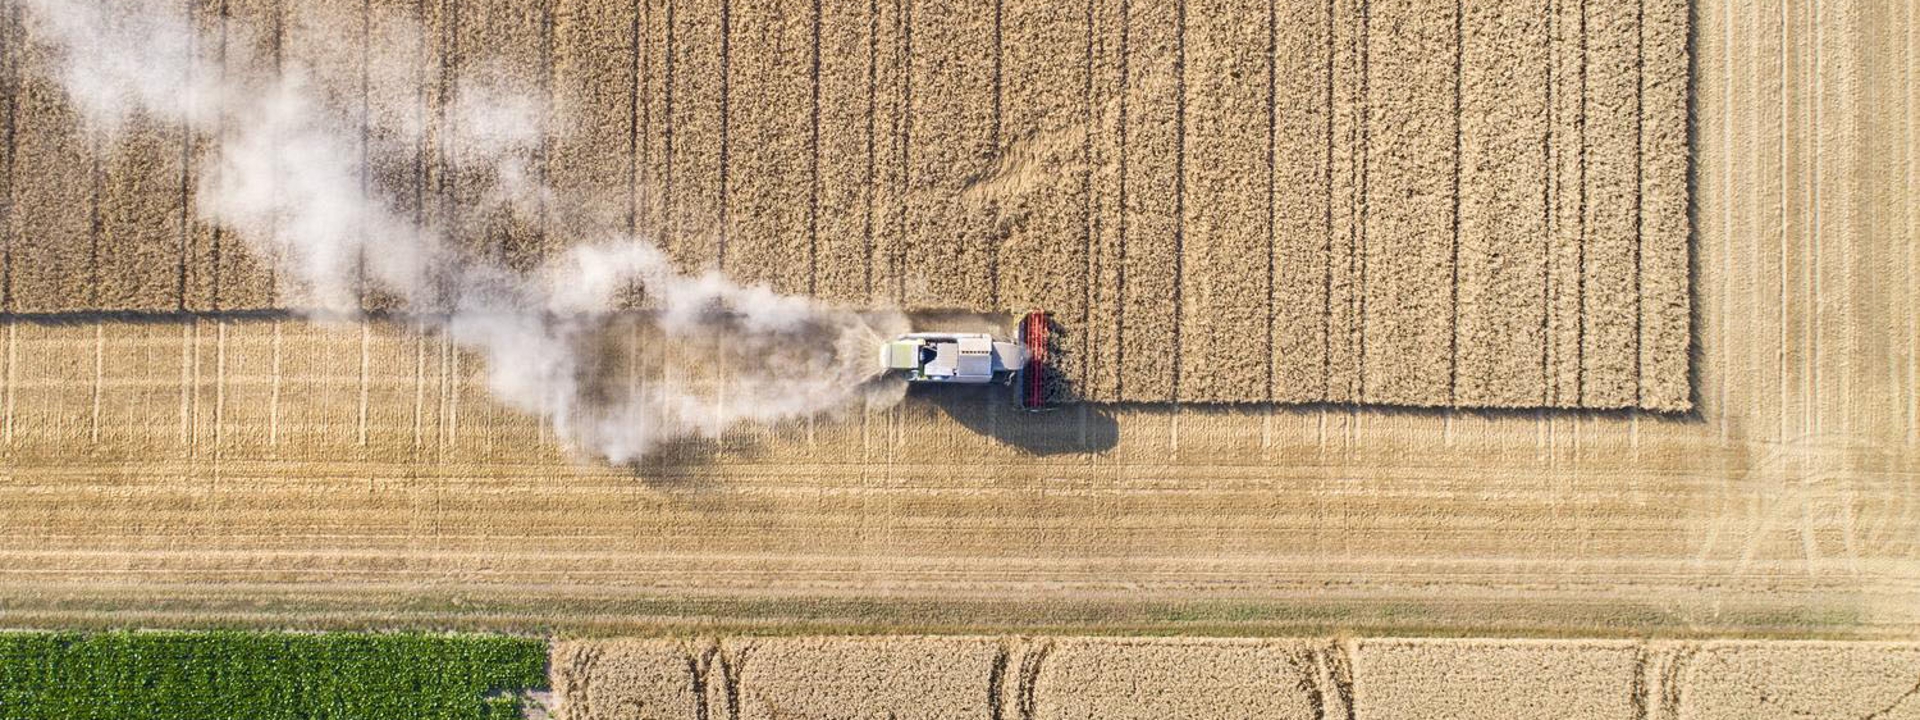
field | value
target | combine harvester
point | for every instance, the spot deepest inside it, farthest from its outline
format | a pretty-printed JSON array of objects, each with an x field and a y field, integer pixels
[{"x": 976, "y": 358}]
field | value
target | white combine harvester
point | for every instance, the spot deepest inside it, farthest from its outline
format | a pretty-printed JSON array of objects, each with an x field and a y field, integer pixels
[{"x": 975, "y": 358}]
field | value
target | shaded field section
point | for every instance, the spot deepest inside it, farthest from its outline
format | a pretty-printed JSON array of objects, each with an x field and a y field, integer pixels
[
  {"x": 1122, "y": 677},
  {"x": 1403, "y": 202}
]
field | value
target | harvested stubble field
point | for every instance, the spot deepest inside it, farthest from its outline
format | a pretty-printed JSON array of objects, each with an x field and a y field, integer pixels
[
  {"x": 1035, "y": 678},
  {"x": 196, "y": 470},
  {"x": 1410, "y": 203}
]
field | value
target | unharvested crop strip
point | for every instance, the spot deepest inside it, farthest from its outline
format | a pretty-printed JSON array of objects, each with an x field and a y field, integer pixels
[
  {"x": 637, "y": 122},
  {"x": 449, "y": 166},
  {"x": 96, "y": 177},
  {"x": 1639, "y": 197},
  {"x": 1180, "y": 187},
  {"x": 730, "y": 669},
  {"x": 670, "y": 50},
  {"x": 1326, "y": 291},
  {"x": 726, "y": 126},
  {"x": 873, "y": 107},
  {"x": 543, "y": 164},
  {"x": 1610, "y": 289},
  {"x": 997, "y": 136},
  {"x": 185, "y": 176},
  {"x": 1665, "y": 166},
  {"x": 366, "y": 157},
  {"x": 1580, "y": 261},
  {"x": 10, "y": 77},
  {"x": 1091, "y": 223},
  {"x": 1120, "y": 218},
  {"x": 1273, "y": 207},
  {"x": 1358, "y": 255},
  {"x": 697, "y": 666},
  {"x": 1187, "y": 90},
  {"x": 1672, "y": 687},
  {"x": 1030, "y": 664},
  {"x": 1304, "y": 663},
  {"x": 904, "y": 9},
  {"x": 1637, "y": 693},
  {"x": 1453, "y": 286},
  {"x": 813, "y": 157},
  {"x": 216, "y": 234},
  {"x": 1547, "y": 385}
]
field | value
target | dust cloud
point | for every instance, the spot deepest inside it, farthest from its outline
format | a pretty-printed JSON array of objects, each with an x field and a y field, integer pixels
[{"x": 287, "y": 170}]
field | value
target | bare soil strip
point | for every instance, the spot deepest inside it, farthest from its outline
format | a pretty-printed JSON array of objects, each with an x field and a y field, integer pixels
[{"x": 1008, "y": 677}]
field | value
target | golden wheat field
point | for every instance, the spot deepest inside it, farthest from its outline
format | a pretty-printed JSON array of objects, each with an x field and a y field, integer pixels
[
  {"x": 1071, "y": 677},
  {"x": 1650, "y": 271},
  {"x": 1410, "y": 203}
]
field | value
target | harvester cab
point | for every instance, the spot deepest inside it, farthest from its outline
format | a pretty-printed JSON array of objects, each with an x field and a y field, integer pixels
[{"x": 975, "y": 358}]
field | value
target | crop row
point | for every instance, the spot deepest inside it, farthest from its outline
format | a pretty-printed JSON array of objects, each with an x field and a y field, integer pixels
[{"x": 261, "y": 676}]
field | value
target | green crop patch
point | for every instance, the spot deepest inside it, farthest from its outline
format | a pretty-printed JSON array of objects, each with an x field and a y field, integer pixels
[{"x": 262, "y": 676}]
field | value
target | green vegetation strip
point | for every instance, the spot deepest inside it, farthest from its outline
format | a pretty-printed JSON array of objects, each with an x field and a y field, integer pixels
[{"x": 263, "y": 676}]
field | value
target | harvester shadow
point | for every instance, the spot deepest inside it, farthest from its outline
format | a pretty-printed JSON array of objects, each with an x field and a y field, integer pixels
[
  {"x": 677, "y": 464},
  {"x": 989, "y": 410}
]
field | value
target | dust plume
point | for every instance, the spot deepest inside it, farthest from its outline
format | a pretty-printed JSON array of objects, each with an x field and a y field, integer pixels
[{"x": 287, "y": 172}]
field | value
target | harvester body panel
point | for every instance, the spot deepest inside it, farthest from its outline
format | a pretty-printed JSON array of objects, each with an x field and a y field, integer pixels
[{"x": 966, "y": 358}]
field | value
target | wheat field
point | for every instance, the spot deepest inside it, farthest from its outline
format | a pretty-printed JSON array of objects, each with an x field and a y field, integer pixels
[
  {"x": 1409, "y": 203},
  {"x": 256, "y": 469},
  {"x": 1070, "y": 677}
]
